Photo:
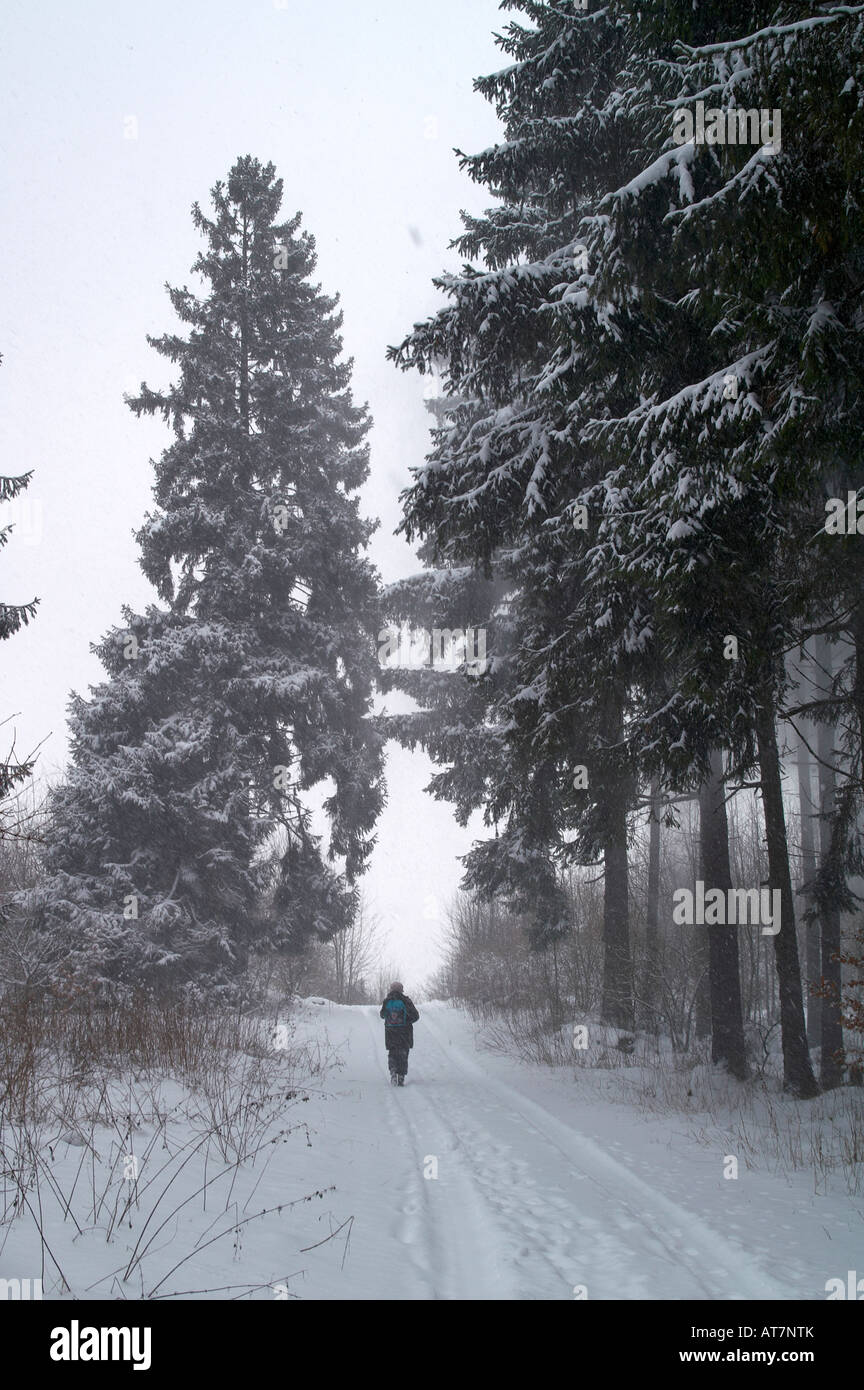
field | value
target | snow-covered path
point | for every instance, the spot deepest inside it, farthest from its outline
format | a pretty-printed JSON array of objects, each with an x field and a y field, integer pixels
[
  {"x": 483, "y": 1178},
  {"x": 536, "y": 1194}
]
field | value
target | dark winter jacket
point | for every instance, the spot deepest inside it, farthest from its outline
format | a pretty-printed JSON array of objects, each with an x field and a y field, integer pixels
[{"x": 400, "y": 1034}]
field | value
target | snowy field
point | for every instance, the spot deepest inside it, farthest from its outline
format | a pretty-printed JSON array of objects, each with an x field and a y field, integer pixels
[{"x": 484, "y": 1178}]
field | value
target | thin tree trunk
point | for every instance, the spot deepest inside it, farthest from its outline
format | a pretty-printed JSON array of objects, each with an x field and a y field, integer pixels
[
  {"x": 807, "y": 811},
  {"x": 798, "y": 1075},
  {"x": 858, "y": 684},
  {"x": 702, "y": 997},
  {"x": 831, "y": 1058},
  {"x": 701, "y": 1010},
  {"x": 557, "y": 1009},
  {"x": 653, "y": 965},
  {"x": 617, "y": 1007},
  {"x": 617, "y": 1003},
  {"x": 727, "y": 1024}
]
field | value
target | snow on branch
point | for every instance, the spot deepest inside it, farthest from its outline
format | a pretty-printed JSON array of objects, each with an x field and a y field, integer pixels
[{"x": 774, "y": 31}]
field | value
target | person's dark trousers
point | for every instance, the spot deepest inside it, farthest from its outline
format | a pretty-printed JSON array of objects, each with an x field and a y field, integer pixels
[{"x": 397, "y": 1060}]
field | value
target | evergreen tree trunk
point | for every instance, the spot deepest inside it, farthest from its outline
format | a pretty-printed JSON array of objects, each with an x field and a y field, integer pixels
[
  {"x": 797, "y": 1069},
  {"x": 617, "y": 1007},
  {"x": 858, "y": 684},
  {"x": 831, "y": 1058},
  {"x": 808, "y": 872},
  {"x": 700, "y": 1012},
  {"x": 727, "y": 1023},
  {"x": 557, "y": 1006},
  {"x": 339, "y": 954},
  {"x": 653, "y": 965},
  {"x": 702, "y": 998}
]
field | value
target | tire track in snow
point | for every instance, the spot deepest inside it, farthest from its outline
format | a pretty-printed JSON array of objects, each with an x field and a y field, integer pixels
[
  {"x": 513, "y": 1242},
  {"x": 452, "y": 1237},
  {"x": 542, "y": 1205},
  {"x": 712, "y": 1265},
  {"x": 414, "y": 1237}
]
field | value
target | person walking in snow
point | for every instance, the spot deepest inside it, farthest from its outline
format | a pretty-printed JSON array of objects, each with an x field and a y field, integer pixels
[{"x": 399, "y": 1015}]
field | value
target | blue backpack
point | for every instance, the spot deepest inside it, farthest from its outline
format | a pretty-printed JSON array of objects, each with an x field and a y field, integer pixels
[{"x": 395, "y": 1013}]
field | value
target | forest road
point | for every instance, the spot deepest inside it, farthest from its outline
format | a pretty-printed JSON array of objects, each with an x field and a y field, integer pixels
[{"x": 477, "y": 1191}]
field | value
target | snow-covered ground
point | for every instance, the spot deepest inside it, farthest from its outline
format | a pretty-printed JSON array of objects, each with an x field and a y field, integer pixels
[{"x": 483, "y": 1178}]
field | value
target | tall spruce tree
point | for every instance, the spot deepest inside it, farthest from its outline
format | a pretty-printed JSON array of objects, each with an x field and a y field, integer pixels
[
  {"x": 745, "y": 263},
  {"x": 253, "y": 686},
  {"x": 510, "y": 465},
  {"x": 660, "y": 401}
]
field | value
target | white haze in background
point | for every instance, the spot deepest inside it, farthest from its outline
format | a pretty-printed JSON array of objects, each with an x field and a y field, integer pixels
[{"x": 358, "y": 106}]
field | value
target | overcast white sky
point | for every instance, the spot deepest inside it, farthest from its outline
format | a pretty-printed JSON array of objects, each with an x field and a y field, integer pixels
[{"x": 114, "y": 118}]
